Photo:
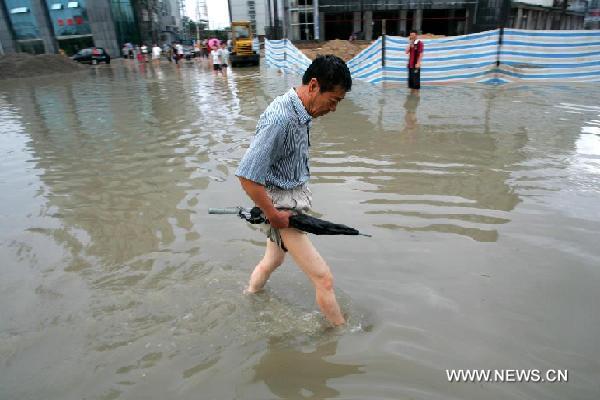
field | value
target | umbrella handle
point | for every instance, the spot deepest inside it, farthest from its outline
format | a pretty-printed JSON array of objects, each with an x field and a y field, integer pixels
[{"x": 227, "y": 210}]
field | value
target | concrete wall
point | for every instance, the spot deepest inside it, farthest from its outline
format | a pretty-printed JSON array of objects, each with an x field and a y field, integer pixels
[
  {"x": 546, "y": 19},
  {"x": 7, "y": 39},
  {"x": 174, "y": 11},
  {"x": 543, "y": 3},
  {"x": 239, "y": 12},
  {"x": 103, "y": 27},
  {"x": 40, "y": 13},
  {"x": 486, "y": 16}
]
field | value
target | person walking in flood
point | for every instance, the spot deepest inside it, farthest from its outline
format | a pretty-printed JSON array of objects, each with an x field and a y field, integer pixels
[
  {"x": 156, "y": 51},
  {"x": 138, "y": 54},
  {"x": 414, "y": 50},
  {"x": 144, "y": 50},
  {"x": 274, "y": 173},
  {"x": 179, "y": 51},
  {"x": 224, "y": 58},
  {"x": 217, "y": 60},
  {"x": 174, "y": 53}
]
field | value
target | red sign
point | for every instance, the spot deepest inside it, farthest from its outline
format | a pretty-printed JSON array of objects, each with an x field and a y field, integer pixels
[
  {"x": 78, "y": 20},
  {"x": 60, "y": 22},
  {"x": 70, "y": 21}
]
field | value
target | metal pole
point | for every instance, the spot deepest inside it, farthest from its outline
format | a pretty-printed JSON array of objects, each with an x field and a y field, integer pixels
[
  {"x": 362, "y": 23},
  {"x": 504, "y": 12},
  {"x": 383, "y": 50},
  {"x": 275, "y": 15},
  {"x": 270, "y": 19},
  {"x": 316, "y": 20}
]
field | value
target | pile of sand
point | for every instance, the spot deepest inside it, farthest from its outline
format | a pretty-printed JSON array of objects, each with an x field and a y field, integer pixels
[
  {"x": 23, "y": 65},
  {"x": 342, "y": 48},
  {"x": 430, "y": 36}
]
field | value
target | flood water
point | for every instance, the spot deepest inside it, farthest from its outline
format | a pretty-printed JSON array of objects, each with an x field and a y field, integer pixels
[{"x": 115, "y": 283}]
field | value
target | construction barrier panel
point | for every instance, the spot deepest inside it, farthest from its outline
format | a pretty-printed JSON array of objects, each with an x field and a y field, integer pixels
[
  {"x": 550, "y": 56},
  {"x": 495, "y": 56}
]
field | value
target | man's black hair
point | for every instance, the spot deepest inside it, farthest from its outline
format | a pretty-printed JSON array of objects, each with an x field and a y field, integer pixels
[
  {"x": 414, "y": 31},
  {"x": 330, "y": 71}
]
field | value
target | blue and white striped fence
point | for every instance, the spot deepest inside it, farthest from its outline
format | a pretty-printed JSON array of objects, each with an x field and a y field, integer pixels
[
  {"x": 283, "y": 54},
  {"x": 524, "y": 56},
  {"x": 367, "y": 65},
  {"x": 550, "y": 55}
]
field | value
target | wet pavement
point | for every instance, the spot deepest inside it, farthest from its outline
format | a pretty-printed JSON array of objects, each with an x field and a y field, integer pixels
[{"x": 483, "y": 203}]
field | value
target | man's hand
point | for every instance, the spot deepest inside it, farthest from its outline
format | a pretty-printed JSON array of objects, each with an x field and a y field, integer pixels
[
  {"x": 279, "y": 218},
  {"x": 418, "y": 66},
  {"x": 257, "y": 192}
]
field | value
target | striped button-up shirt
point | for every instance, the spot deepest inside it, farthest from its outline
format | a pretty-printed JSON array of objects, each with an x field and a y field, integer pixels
[{"x": 278, "y": 154}]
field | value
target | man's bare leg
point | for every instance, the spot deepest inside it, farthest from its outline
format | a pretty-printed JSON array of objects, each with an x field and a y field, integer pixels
[
  {"x": 273, "y": 258},
  {"x": 317, "y": 270}
]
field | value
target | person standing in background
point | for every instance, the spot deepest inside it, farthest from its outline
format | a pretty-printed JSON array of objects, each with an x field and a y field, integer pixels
[{"x": 414, "y": 50}]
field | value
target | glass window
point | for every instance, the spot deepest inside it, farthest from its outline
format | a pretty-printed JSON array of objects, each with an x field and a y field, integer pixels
[
  {"x": 125, "y": 23},
  {"x": 19, "y": 10},
  {"x": 70, "y": 20},
  {"x": 22, "y": 19},
  {"x": 241, "y": 32}
]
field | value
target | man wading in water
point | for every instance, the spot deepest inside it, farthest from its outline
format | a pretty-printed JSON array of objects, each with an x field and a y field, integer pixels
[{"x": 274, "y": 173}]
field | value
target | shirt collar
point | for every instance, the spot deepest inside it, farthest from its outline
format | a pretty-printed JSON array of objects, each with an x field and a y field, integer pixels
[{"x": 303, "y": 115}]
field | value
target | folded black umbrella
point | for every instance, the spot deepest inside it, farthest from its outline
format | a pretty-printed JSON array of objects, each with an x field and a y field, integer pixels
[
  {"x": 317, "y": 226},
  {"x": 303, "y": 222}
]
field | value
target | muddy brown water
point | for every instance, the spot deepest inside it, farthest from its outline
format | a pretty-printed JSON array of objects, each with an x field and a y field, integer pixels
[{"x": 483, "y": 203}]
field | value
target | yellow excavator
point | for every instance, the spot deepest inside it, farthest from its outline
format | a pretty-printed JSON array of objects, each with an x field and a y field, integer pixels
[{"x": 241, "y": 41}]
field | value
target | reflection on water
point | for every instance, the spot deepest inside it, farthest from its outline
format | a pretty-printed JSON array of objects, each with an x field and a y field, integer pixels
[
  {"x": 117, "y": 284},
  {"x": 436, "y": 175},
  {"x": 291, "y": 373},
  {"x": 410, "y": 115}
]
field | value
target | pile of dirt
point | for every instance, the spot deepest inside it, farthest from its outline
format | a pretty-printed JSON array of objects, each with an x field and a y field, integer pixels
[
  {"x": 430, "y": 36},
  {"x": 342, "y": 48},
  {"x": 23, "y": 65}
]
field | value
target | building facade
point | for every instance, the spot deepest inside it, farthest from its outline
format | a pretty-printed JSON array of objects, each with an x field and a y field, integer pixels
[
  {"x": 47, "y": 26},
  {"x": 338, "y": 19},
  {"x": 254, "y": 11},
  {"x": 170, "y": 18},
  {"x": 592, "y": 17}
]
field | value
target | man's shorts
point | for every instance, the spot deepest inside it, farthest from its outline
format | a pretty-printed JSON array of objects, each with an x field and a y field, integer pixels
[
  {"x": 216, "y": 67},
  {"x": 414, "y": 78},
  {"x": 298, "y": 200}
]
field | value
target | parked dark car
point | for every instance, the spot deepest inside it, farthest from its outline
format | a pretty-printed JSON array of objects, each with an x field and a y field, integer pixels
[
  {"x": 92, "y": 55},
  {"x": 188, "y": 52}
]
